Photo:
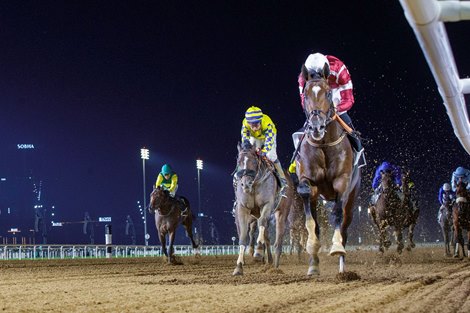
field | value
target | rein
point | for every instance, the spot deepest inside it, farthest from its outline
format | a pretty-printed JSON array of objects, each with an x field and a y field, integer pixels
[
  {"x": 251, "y": 173},
  {"x": 323, "y": 145}
]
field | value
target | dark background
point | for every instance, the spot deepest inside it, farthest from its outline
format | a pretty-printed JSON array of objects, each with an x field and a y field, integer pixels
[{"x": 89, "y": 83}]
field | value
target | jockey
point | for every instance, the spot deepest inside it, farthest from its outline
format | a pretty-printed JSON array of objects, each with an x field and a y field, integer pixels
[
  {"x": 260, "y": 131},
  {"x": 446, "y": 197},
  {"x": 460, "y": 173},
  {"x": 377, "y": 182},
  {"x": 168, "y": 180},
  {"x": 336, "y": 73}
]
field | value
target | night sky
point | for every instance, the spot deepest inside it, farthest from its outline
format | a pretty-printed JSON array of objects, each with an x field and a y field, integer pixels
[{"x": 89, "y": 83}]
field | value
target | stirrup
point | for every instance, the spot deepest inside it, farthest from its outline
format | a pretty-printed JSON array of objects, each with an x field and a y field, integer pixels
[{"x": 360, "y": 159}]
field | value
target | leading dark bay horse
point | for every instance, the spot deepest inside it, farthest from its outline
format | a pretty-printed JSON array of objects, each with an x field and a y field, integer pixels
[
  {"x": 461, "y": 218},
  {"x": 325, "y": 168},
  {"x": 169, "y": 213},
  {"x": 257, "y": 195}
]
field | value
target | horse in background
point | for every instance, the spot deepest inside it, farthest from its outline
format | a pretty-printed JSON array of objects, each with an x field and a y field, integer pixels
[
  {"x": 461, "y": 218},
  {"x": 445, "y": 221},
  {"x": 411, "y": 213},
  {"x": 297, "y": 231},
  {"x": 169, "y": 213},
  {"x": 389, "y": 211},
  {"x": 257, "y": 195},
  {"x": 326, "y": 167}
]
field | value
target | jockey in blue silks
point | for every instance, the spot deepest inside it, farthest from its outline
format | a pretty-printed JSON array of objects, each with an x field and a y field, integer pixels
[
  {"x": 376, "y": 183},
  {"x": 460, "y": 173},
  {"x": 387, "y": 167},
  {"x": 446, "y": 197}
]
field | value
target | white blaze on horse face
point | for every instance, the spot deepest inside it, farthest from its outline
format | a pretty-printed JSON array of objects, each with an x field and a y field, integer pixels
[
  {"x": 245, "y": 161},
  {"x": 315, "y": 90}
]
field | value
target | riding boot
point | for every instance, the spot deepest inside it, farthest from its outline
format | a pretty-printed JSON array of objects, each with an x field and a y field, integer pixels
[
  {"x": 355, "y": 141},
  {"x": 282, "y": 178},
  {"x": 293, "y": 175}
]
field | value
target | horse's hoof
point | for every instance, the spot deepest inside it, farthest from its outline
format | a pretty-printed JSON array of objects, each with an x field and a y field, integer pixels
[
  {"x": 258, "y": 257},
  {"x": 408, "y": 248},
  {"x": 238, "y": 271},
  {"x": 337, "y": 249},
  {"x": 412, "y": 245},
  {"x": 313, "y": 271},
  {"x": 456, "y": 256}
]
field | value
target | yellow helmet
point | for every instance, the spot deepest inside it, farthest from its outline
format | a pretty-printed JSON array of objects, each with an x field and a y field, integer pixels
[{"x": 253, "y": 115}]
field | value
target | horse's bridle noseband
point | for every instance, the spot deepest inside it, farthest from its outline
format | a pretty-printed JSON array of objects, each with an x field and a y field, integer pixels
[{"x": 250, "y": 173}]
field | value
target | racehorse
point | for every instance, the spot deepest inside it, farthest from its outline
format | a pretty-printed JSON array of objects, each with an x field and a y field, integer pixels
[
  {"x": 325, "y": 168},
  {"x": 410, "y": 213},
  {"x": 389, "y": 211},
  {"x": 461, "y": 218},
  {"x": 257, "y": 195},
  {"x": 445, "y": 221},
  {"x": 169, "y": 212},
  {"x": 297, "y": 232}
]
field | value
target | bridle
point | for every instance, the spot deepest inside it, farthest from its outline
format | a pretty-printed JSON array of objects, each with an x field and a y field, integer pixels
[
  {"x": 247, "y": 172},
  {"x": 325, "y": 117}
]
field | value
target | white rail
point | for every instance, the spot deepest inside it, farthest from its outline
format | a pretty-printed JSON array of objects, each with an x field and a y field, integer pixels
[
  {"x": 426, "y": 17},
  {"x": 25, "y": 252}
]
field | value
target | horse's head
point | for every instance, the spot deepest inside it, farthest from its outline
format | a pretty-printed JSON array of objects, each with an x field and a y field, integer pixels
[
  {"x": 387, "y": 181},
  {"x": 461, "y": 190},
  {"x": 247, "y": 165},
  {"x": 318, "y": 106},
  {"x": 158, "y": 197}
]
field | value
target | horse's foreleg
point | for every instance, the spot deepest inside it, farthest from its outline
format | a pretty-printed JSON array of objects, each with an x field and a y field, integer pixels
[
  {"x": 263, "y": 230},
  {"x": 458, "y": 238},
  {"x": 252, "y": 230},
  {"x": 171, "y": 257},
  {"x": 399, "y": 238},
  {"x": 411, "y": 243},
  {"x": 281, "y": 220},
  {"x": 243, "y": 220},
  {"x": 162, "y": 238},
  {"x": 313, "y": 243}
]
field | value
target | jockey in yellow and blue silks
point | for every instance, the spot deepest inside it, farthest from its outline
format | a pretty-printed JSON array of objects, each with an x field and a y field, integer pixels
[
  {"x": 167, "y": 179},
  {"x": 260, "y": 131}
]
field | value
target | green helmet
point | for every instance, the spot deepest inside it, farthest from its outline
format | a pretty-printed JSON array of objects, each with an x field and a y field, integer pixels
[{"x": 166, "y": 169}]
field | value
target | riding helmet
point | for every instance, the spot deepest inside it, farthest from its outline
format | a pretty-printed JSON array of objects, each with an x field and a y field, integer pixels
[
  {"x": 166, "y": 169},
  {"x": 446, "y": 187},
  {"x": 317, "y": 65},
  {"x": 253, "y": 115},
  {"x": 460, "y": 172}
]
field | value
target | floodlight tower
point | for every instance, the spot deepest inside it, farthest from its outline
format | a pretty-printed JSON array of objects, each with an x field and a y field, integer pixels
[{"x": 145, "y": 155}]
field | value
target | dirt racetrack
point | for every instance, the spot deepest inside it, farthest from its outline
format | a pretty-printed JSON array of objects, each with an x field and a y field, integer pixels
[{"x": 421, "y": 281}]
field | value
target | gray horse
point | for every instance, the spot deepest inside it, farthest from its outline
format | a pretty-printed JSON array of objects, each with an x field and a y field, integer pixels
[{"x": 257, "y": 195}]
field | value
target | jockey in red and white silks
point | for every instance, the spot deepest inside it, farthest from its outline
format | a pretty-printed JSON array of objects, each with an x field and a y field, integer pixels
[
  {"x": 335, "y": 72},
  {"x": 338, "y": 78}
]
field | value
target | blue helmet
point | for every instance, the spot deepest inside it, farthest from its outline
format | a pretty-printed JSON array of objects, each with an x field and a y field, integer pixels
[
  {"x": 386, "y": 166},
  {"x": 166, "y": 169},
  {"x": 460, "y": 172}
]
